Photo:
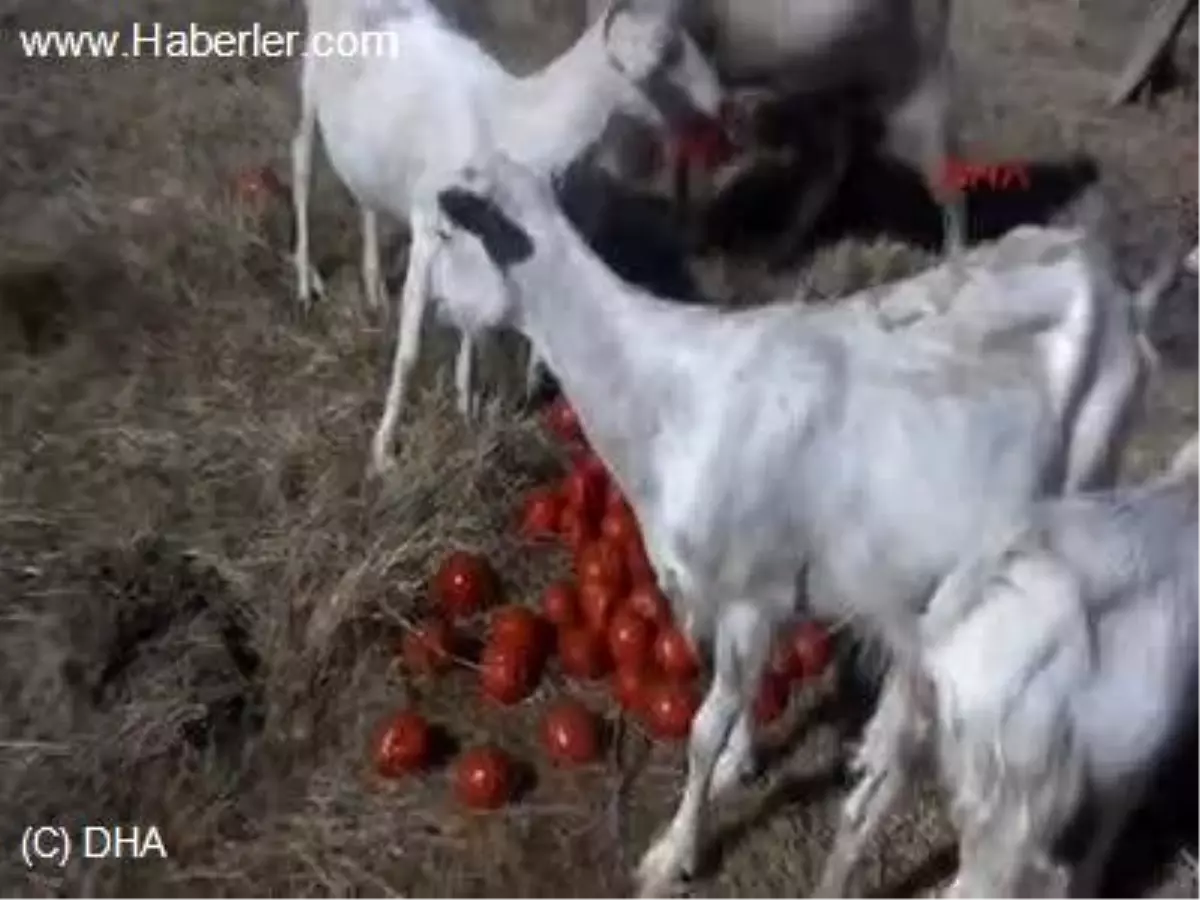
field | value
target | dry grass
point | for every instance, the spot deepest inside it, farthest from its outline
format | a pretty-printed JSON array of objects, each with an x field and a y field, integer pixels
[{"x": 200, "y": 588}]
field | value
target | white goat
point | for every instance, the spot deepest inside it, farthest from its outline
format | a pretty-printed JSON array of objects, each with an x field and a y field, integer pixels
[
  {"x": 396, "y": 125},
  {"x": 1062, "y": 667},
  {"x": 761, "y": 448},
  {"x": 892, "y": 55}
]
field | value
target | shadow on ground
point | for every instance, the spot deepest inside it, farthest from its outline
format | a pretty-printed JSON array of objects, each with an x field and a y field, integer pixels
[
  {"x": 879, "y": 197},
  {"x": 1165, "y": 824}
]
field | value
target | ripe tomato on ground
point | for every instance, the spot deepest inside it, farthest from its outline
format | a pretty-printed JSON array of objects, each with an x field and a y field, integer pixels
[
  {"x": 772, "y": 698},
  {"x": 519, "y": 627},
  {"x": 582, "y": 653},
  {"x": 629, "y": 688},
  {"x": 541, "y": 513},
  {"x": 403, "y": 745},
  {"x": 602, "y": 560},
  {"x": 483, "y": 778},
  {"x": 584, "y": 488},
  {"x": 675, "y": 655},
  {"x": 648, "y": 602},
  {"x": 507, "y": 674},
  {"x": 570, "y": 734},
  {"x": 597, "y": 601},
  {"x": 560, "y": 604},
  {"x": 429, "y": 648},
  {"x": 464, "y": 583},
  {"x": 637, "y": 562},
  {"x": 575, "y": 528},
  {"x": 669, "y": 709},
  {"x": 563, "y": 422},
  {"x": 630, "y": 639},
  {"x": 619, "y": 525},
  {"x": 257, "y": 186}
]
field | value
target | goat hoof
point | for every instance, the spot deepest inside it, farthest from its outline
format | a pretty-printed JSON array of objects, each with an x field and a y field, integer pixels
[
  {"x": 730, "y": 773},
  {"x": 665, "y": 870},
  {"x": 381, "y": 464}
]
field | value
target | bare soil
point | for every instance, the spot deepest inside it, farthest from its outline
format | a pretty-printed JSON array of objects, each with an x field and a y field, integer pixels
[{"x": 199, "y": 587}]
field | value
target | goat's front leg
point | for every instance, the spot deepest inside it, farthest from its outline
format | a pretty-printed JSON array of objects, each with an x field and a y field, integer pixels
[
  {"x": 742, "y": 644},
  {"x": 816, "y": 198},
  {"x": 464, "y": 382},
  {"x": 308, "y": 281},
  {"x": 373, "y": 285},
  {"x": 737, "y": 763},
  {"x": 892, "y": 742},
  {"x": 408, "y": 342},
  {"x": 533, "y": 373}
]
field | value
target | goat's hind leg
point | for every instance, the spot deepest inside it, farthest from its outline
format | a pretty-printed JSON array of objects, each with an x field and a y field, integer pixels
[
  {"x": 1088, "y": 877},
  {"x": 742, "y": 644},
  {"x": 921, "y": 134},
  {"x": 408, "y": 343},
  {"x": 373, "y": 285},
  {"x": 464, "y": 378},
  {"x": 892, "y": 745},
  {"x": 816, "y": 198}
]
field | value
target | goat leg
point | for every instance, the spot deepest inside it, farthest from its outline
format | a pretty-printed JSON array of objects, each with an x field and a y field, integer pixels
[{"x": 815, "y": 200}]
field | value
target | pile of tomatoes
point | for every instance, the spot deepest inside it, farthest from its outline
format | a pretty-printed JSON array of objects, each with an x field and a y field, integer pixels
[{"x": 608, "y": 625}]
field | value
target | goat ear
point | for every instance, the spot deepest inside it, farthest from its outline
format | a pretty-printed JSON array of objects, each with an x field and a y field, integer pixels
[{"x": 506, "y": 242}]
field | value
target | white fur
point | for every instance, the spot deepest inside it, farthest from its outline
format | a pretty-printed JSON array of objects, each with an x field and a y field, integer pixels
[
  {"x": 829, "y": 447},
  {"x": 1061, "y": 664},
  {"x": 396, "y": 126}
]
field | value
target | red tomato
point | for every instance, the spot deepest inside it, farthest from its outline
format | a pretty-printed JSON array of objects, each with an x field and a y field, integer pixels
[
  {"x": 630, "y": 639},
  {"x": 619, "y": 525},
  {"x": 603, "y": 561},
  {"x": 707, "y": 145},
  {"x": 629, "y": 689},
  {"x": 583, "y": 653},
  {"x": 648, "y": 602},
  {"x": 670, "y": 708},
  {"x": 637, "y": 562},
  {"x": 563, "y": 421},
  {"x": 570, "y": 734},
  {"x": 541, "y": 513},
  {"x": 613, "y": 498},
  {"x": 483, "y": 778},
  {"x": 675, "y": 654},
  {"x": 257, "y": 186},
  {"x": 812, "y": 649},
  {"x": 584, "y": 488},
  {"x": 506, "y": 673},
  {"x": 403, "y": 745},
  {"x": 576, "y": 529},
  {"x": 597, "y": 601},
  {"x": 464, "y": 583},
  {"x": 772, "y": 698},
  {"x": 560, "y": 604},
  {"x": 429, "y": 648},
  {"x": 518, "y": 627}
]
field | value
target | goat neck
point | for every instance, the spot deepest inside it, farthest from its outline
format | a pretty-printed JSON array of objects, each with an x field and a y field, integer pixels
[
  {"x": 563, "y": 109},
  {"x": 607, "y": 344}
]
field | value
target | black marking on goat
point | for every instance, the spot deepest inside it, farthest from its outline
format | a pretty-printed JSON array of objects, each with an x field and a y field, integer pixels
[
  {"x": 506, "y": 242},
  {"x": 669, "y": 98}
]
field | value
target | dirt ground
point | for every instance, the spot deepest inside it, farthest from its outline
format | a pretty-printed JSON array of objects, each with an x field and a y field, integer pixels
[{"x": 200, "y": 587}]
